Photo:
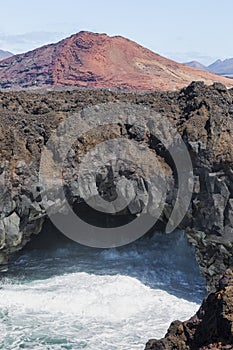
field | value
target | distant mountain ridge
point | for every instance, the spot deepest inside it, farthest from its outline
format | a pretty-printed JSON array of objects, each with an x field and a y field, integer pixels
[
  {"x": 196, "y": 64},
  {"x": 93, "y": 60},
  {"x": 221, "y": 67},
  {"x": 5, "y": 54}
]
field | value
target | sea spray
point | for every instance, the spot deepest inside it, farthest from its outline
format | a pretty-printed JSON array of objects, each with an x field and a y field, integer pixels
[{"x": 72, "y": 297}]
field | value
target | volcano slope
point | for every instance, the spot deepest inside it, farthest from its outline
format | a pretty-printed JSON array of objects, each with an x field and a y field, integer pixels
[{"x": 95, "y": 60}]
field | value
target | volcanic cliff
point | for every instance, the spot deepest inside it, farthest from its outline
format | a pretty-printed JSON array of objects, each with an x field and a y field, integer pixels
[
  {"x": 98, "y": 61},
  {"x": 202, "y": 116}
]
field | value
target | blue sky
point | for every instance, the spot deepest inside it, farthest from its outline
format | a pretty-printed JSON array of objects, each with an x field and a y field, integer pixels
[{"x": 182, "y": 30}]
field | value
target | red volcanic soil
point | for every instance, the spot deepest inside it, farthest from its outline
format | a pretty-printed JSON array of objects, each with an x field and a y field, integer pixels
[{"x": 98, "y": 61}]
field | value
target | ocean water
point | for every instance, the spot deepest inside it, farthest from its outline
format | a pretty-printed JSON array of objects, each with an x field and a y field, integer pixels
[{"x": 58, "y": 294}]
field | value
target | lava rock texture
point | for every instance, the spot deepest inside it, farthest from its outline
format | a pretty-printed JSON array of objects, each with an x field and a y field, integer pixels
[
  {"x": 202, "y": 115},
  {"x": 210, "y": 328}
]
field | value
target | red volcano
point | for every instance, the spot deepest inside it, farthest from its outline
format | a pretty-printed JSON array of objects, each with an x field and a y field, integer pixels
[{"x": 98, "y": 61}]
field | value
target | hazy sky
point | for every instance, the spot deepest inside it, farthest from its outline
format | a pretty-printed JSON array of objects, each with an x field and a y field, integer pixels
[{"x": 182, "y": 30}]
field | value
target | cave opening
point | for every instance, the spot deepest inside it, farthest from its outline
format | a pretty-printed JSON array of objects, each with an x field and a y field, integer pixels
[{"x": 158, "y": 260}]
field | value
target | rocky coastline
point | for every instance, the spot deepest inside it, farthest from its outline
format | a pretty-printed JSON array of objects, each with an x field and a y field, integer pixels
[
  {"x": 202, "y": 115},
  {"x": 210, "y": 328}
]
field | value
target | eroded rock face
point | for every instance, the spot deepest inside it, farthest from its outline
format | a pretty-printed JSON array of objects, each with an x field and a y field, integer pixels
[
  {"x": 210, "y": 328},
  {"x": 202, "y": 116}
]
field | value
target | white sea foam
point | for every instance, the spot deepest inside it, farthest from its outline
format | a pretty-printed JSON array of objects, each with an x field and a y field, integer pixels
[
  {"x": 67, "y": 296},
  {"x": 85, "y": 310}
]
